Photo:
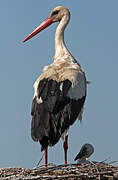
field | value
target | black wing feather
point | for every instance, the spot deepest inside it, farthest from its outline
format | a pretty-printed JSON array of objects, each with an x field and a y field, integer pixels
[{"x": 56, "y": 112}]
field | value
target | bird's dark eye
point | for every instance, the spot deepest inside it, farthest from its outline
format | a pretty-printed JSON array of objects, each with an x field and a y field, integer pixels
[
  {"x": 55, "y": 12},
  {"x": 84, "y": 149}
]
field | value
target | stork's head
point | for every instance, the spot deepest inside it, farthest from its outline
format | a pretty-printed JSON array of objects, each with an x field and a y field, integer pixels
[
  {"x": 85, "y": 152},
  {"x": 56, "y": 15}
]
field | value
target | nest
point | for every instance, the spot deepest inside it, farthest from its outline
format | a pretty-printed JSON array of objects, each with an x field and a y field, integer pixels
[{"x": 100, "y": 171}]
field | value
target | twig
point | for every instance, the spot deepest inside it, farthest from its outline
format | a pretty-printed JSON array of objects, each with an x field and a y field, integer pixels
[{"x": 40, "y": 160}]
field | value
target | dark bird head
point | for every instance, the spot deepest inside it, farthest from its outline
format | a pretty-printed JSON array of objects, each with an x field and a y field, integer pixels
[{"x": 85, "y": 152}]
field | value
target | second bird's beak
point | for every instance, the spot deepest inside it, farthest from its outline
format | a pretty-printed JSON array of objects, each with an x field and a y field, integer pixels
[{"x": 41, "y": 27}]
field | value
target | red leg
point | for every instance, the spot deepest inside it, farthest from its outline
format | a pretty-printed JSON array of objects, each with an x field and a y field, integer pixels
[
  {"x": 65, "y": 146},
  {"x": 46, "y": 157}
]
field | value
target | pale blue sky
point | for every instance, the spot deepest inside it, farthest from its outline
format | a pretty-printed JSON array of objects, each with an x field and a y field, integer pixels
[{"x": 92, "y": 38}]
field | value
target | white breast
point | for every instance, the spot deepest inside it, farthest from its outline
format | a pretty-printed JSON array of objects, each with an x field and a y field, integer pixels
[{"x": 64, "y": 70}]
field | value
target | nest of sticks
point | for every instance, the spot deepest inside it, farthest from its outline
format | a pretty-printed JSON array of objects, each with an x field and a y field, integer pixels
[{"x": 100, "y": 171}]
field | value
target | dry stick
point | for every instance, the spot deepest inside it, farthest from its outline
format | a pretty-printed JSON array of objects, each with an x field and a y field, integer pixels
[
  {"x": 105, "y": 160},
  {"x": 95, "y": 167},
  {"x": 44, "y": 173},
  {"x": 40, "y": 160},
  {"x": 113, "y": 162}
]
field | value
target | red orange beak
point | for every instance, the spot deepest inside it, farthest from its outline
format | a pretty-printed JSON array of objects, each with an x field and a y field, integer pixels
[{"x": 41, "y": 27}]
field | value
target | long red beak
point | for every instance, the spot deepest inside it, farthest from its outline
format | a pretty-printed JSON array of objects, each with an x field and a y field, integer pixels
[{"x": 41, "y": 27}]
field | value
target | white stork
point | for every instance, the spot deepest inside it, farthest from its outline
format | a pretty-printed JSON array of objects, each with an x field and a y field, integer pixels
[{"x": 59, "y": 92}]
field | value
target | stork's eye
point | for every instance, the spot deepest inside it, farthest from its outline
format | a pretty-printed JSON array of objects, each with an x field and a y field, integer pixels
[
  {"x": 55, "y": 12},
  {"x": 84, "y": 149}
]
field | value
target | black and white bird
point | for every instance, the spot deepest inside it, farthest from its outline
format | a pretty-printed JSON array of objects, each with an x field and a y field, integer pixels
[
  {"x": 59, "y": 92},
  {"x": 85, "y": 152}
]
